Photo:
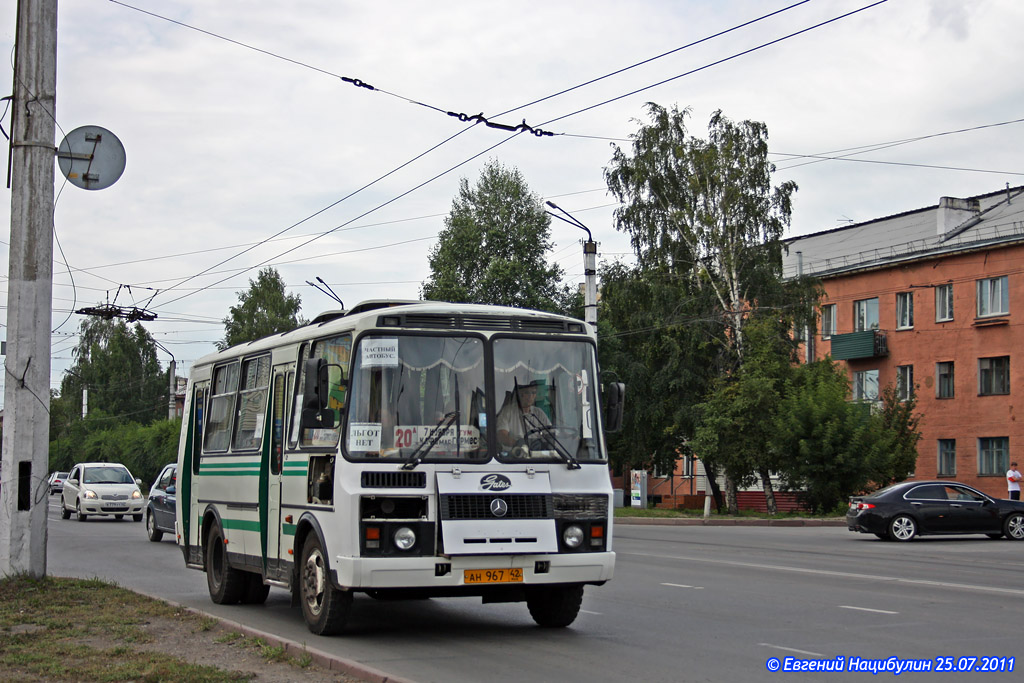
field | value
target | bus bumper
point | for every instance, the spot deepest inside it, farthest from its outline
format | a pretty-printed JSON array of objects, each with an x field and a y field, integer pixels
[{"x": 359, "y": 573}]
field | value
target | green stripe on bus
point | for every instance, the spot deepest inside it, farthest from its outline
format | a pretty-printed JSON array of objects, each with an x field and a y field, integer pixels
[
  {"x": 297, "y": 473},
  {"x": 240, "y": 524},
  {"x": 224, "y": 465},
  {"x": 288, "y": 529}
]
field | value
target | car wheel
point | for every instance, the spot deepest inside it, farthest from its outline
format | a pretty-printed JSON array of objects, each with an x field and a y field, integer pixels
[
  {"x": 154, "y": 534},
  {"x": 324, "y": 607},
  {"x": 555, "y": 606},
  {"x": 225, "y": 582},
  {"x": 256, "y": 591},
  {"x": 883, "y": 537},
  {"x": 1013, "y": 527},
  {"x": 994, "y": 537},
  {"x": 118, "y": 517},
  {"x": 78, "y": 510},
  {"x": 65, "y": 513},
  {"x": 902, "y": 528},
  {"x": 137, "y": 518}
]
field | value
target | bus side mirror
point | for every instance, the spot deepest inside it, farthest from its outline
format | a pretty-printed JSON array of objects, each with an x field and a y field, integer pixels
[
  {"x": 614, "y": 402},
  {"x": 315, "y": 392}
]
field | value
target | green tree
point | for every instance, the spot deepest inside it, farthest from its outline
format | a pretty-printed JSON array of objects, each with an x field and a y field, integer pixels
[
  {"x": 736, "y": 432},
  {"x": 494, "y": 245},
  {"x": 832, "y": 447},
  {"x": 117, "y": 365},
  {"x": 704, "y": 212},
  {"x": 264, "y": 309}
]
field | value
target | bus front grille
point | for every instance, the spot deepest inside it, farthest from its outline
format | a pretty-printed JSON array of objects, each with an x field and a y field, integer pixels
[
  {"x": 483, "y": 506},
  {"x": 394, "y": 480}
]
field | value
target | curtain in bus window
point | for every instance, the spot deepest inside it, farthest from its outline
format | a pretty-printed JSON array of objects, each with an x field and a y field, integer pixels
[
  {"x": 336, "y": 351},
  {"x": 407, "y": 390},
  {"x": 222, "y": 401},
  {"x": 546, "y": 394},
  {"x": 252, "y": 404}
]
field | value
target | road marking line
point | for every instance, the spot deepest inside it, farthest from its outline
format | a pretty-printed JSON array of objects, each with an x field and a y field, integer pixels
[
  {"x": 826, "y": 572},
  {"x": 792, "y": 649},
  {"x": 680, "y": 585},
  {"x": 867, "y": 609},
  {"x": 596, "y": 614}
]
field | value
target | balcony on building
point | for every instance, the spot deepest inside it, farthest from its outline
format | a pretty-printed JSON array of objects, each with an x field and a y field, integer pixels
[{"x": 866, "y": 344}]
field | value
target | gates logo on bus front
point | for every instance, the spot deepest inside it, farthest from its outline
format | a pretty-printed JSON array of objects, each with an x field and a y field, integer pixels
[{"x": 495, "y": 482}]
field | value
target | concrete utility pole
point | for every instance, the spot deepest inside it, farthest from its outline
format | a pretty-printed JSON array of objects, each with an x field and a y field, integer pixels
[
  {"x": 23, "y": 491},
  {"x": 589, "y": 266}
]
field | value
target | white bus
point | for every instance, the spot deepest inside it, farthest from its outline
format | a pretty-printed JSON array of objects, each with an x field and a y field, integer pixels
[{"x": 401, "y": 450}]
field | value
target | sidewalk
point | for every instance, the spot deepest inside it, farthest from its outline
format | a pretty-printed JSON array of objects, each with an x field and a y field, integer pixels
[{"x": 712, "y": 521}]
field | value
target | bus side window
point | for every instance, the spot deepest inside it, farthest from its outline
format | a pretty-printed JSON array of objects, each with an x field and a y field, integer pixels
[{"x": 222, "y": 403}]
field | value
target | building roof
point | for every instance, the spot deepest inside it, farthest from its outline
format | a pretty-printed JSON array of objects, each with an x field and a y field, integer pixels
[{"x": 950, "y": 226}]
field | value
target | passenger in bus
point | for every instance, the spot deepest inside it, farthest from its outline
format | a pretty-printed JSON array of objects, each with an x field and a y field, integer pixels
[{"x": 513, "y": 420}]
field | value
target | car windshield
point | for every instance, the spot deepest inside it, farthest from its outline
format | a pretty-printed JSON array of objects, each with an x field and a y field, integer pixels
[{"x": 107, "y": 475}]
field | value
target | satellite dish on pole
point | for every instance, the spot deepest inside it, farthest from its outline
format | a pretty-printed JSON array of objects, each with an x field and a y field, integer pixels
[{"x": 91, "y": 157}]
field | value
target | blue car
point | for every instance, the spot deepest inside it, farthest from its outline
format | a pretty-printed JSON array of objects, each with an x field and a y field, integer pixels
[{"x": 161, "y": 508}]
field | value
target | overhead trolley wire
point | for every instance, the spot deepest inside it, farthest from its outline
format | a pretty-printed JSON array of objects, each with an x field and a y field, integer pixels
[{"x": 518, "y": 132}]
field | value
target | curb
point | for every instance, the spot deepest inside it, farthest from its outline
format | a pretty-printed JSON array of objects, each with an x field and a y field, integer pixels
[
  {"x": 322, "y": 659},
  {"x": 699, "y": 521}
]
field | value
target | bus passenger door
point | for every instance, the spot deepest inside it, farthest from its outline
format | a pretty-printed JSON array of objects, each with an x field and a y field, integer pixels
[{"x": 270, "y": 521}]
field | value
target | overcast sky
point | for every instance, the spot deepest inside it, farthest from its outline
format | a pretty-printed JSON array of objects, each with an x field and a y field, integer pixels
[{"x": 238, "y": 127}]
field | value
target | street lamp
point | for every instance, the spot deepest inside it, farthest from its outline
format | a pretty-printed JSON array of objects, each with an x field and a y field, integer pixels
[{"x": 589, "y": 266}]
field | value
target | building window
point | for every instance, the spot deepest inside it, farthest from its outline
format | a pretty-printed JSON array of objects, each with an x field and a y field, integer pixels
[
  {"x": 947, "y": 457},
  {"x": 944, "y": 303},
  {"x": 828, "y": 321},
  {"x": 993, "y": 296},
  {"x": 865, "y": 315},
  {"x": 944, "y": 380},
  {"x": 993, "y": 454},
  {"x": 904, "y": 310},
  {"x": 904, "y": 382},
  {"x": 994, "y": 376},
  {"x": 865, "y": 385}
]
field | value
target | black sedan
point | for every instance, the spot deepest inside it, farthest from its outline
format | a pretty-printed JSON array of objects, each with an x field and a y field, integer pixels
[{"x": 913, "y": 508}]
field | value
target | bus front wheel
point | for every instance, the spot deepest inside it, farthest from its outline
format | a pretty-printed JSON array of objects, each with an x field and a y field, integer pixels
[
  {"x": 554, "y": 606},
  {"x": 324, "y": 607},
  {"x": 226, "y": 583}
]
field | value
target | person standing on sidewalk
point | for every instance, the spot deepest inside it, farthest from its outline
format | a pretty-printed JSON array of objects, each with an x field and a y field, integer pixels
[{"x": 1013, "y": 479}]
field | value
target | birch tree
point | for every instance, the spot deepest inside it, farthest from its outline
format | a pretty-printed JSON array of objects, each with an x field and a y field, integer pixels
[{"x": 706, "y": 211}]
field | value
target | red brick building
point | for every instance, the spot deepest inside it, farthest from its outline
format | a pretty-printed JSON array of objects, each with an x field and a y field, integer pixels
[{"x": 932, "y": 300}]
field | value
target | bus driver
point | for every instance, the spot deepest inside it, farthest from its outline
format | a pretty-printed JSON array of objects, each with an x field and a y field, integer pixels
[{"x": 519, "y": 412}]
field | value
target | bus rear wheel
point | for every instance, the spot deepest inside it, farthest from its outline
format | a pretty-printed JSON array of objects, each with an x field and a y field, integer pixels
[
  {"x": 554, "y": 606},
  {"x": 324, "y": 607},
  {"x": 226, "y": 583}
]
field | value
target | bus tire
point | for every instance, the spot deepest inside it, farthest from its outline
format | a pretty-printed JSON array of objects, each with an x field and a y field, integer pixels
[
  {"x": 256, "y": 591},
  {"x": 554, "y": 606},
  {"x": 226, "y": 583},
  {"x": 324, "y": 607}
]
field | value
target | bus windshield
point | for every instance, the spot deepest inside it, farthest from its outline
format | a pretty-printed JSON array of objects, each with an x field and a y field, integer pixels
[
  {"x": 546, "y": 400},
  {"x": 410, "y": 392}
]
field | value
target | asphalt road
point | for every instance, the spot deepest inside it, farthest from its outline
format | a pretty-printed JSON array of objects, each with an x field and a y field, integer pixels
[{"x": 687, "y": 604}]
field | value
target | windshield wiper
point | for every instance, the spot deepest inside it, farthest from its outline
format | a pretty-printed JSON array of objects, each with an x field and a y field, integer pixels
[
  {"x": 545, "y": 432},
  {"x": 423, "y": 449}
]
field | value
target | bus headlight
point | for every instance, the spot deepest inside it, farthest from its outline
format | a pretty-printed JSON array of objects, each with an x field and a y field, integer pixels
[
  {"x": 404, "y": 538},
  {"x": 573, "y": 536}
]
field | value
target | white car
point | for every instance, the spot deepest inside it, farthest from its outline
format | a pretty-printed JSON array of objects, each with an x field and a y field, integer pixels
[{"x": 101, "y": 488}]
